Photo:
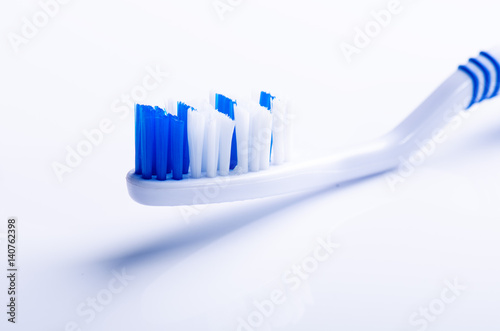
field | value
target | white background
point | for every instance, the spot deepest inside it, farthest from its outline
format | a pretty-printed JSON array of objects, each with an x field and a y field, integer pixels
[{"x": 397, "y": 248}]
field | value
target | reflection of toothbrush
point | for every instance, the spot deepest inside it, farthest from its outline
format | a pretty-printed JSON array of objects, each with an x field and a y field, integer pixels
[{"x": 479, "y": 79}]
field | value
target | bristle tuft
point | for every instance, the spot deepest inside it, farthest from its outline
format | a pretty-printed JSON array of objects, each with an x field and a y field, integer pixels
[
  {"x": 177, "y": 138},
  {"x": 196, "y": 135},
  {"x": 212, "y": 138}
]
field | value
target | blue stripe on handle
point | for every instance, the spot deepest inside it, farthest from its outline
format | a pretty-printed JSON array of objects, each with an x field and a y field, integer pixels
[
  {"x": 475, "y": 84},
  {"x": 497, "y": 69},
  {"x": 487, "y": 77}
]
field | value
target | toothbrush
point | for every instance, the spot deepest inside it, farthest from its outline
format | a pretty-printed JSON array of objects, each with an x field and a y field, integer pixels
[{"x": 473, "y": 82}]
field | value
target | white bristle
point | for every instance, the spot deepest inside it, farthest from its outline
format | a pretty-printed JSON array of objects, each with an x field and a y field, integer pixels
[
  {"x": 242, "y": 122},
  {"x": 255, "y": 95},
  {"x": 265, "y": 129},
  {"x": 207, "y": 111},
  {"x": 226, "y": 127},
  {"x": 259, "y": 137},
  {"x": 165, "y": 104},
  {"x": 171, "y": 107},
  {"x": 253, "y": 153},
  {"x": 279, "y": 131},
  {"x": 211, "y": 98},
  {"x": 212, "y": 144},
  {"x": 196, "y": 135}
]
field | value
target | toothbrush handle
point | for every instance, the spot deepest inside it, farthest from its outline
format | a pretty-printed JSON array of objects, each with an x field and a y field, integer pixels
[{"x": 472, "y": 83}]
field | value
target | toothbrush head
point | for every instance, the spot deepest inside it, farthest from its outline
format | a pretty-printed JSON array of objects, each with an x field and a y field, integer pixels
[{"x": 195, "y": 145}]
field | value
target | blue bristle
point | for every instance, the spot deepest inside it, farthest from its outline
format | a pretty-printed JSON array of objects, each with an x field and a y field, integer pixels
[
  {"x": 147, "y": 141},
  {"x": 234, "y": 152},
  {"x": 226, "y": 106},
  {"x": 169, "y": 145},
  {"x": 157, "y": 111},
  {"x": 266, "y": 101},
  {"x": 138, "y": 123},
  {"x": 218, "y": 103},
  {"x": 182, "y": 112},
  {"x": 162, "y": 122},
  {"x": 177, "y": 144}
]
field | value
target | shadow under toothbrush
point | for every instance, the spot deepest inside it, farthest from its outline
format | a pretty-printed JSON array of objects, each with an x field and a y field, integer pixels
[
  {"x": 466, "y": 148},
  {"x": 198, "y": 235}
]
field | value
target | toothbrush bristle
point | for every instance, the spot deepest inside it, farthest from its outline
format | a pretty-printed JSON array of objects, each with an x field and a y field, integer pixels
[
  {"x": 226, "y": 106},
  {"x": 182, "y": 110},
  {"x": 226, "y": 127},
  {"x": 138, "y": 124},
  {"x": 266, "y": 100},
  {"x": 147, "y": 141},
  {"x": 280, "y": 132},
  {"x": 177, "y": 135},
  {"x": 212, "y": 139},
  {"x": 196, "y": 134},
  {"x": 162, "y": 129}
]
